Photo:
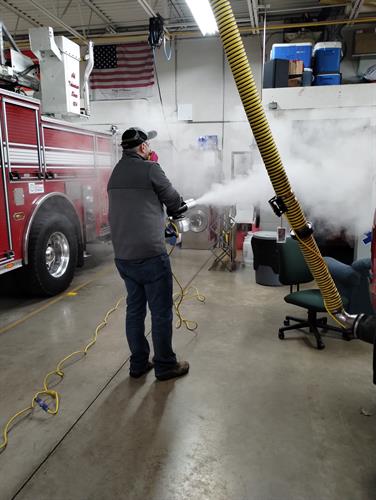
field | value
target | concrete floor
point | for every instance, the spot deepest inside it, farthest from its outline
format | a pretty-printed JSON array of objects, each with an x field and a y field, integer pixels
[{"x": 256, "y": 419}]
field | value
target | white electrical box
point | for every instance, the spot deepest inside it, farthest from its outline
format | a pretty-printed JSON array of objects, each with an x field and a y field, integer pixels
[{"x": 59, "y": 60}]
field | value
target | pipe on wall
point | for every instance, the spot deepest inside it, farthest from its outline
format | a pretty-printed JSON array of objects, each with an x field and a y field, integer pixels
[{"x": 244, "y": 30}]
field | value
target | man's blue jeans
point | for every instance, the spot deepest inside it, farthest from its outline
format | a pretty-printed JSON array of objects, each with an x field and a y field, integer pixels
[{"x": 149, "y": 281}]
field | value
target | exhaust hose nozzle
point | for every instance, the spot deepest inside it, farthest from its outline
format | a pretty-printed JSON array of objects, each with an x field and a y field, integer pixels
[
  {"x": 347, "y": 320},
  {"x": 186, "y": 206},
  {"x": 190, "y": 203}
]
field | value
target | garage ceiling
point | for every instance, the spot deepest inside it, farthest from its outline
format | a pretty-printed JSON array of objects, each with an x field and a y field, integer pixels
[{"x": 96, "y": 18}]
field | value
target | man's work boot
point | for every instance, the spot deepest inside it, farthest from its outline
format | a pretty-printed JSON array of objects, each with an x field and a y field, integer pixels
[
  {"x": 139, "y": 374},
  {"x": 180, "y": 369}
]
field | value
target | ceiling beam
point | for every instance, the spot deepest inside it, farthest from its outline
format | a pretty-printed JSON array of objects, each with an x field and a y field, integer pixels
[
  {"x": 66, "y": 8},
  {"x": 255, "y": 6},
  {"x": 251, "y": 15},
  {"x": 175, "y": 8},
  {"x": 330, "y": 3},
  {"x": 355, "y": 9},
  {"x": 101, "y": 14},
  {"x": 151, "y": 13},
  {"x": 58, "y": 21},
  {"x": 142, "y": 35},
  {"x": 339, "y": 3},
  {"x": 10, "y": 6}
]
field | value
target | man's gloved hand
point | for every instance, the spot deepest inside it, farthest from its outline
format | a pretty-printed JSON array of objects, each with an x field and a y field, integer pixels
[{"x": 177, "y": 214}]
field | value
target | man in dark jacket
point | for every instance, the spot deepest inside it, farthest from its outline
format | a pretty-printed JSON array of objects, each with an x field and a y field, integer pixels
[{"x": 137, "y": 190}]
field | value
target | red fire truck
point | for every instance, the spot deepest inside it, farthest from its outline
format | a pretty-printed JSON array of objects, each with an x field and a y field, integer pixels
[
  {"x": 373, "y": 257},
  {"x": 53, "y": 196}
]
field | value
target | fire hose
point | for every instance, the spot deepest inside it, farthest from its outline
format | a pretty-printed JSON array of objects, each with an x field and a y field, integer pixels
[{"x": 285, "y": 201}]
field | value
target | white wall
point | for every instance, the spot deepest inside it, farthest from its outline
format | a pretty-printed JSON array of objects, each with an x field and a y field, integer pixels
[{"x": 197, "y": 74}]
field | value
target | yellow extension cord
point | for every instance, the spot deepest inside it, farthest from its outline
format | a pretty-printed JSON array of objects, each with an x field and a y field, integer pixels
[
  {"x": 50, "y": 393},
  {"x": 39, "y": 397},
  {"x": 185, "y": 293},
  {"x": 242, "y": 73}
]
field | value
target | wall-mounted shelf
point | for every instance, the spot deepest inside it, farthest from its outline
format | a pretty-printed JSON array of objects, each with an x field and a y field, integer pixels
[{"x": 346, "y": 97}]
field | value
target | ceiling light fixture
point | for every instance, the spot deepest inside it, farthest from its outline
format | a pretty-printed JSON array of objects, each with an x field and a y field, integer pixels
[{"x": 203, "y": 15}]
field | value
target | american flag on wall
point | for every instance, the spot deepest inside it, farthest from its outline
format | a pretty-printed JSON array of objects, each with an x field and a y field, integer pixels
[{"x": 122, "y": 72}]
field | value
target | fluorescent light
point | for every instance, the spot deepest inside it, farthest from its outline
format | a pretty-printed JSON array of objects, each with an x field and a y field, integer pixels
[{"x": 203, "y": 15}]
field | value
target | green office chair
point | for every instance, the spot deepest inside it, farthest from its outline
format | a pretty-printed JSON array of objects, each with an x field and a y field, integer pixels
[{"x": 293, "y": 271}]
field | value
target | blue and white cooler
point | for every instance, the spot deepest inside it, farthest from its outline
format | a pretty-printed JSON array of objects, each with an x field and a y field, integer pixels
[
  {"x": 328, "y": 79},
  {"x": 327, "y": 63},
  {"x": 327, "y": 57},
  {"x": 293, "y": 52}
]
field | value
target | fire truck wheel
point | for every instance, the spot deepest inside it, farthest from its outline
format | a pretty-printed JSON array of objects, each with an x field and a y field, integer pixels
[{"x": 53, "y": 252}]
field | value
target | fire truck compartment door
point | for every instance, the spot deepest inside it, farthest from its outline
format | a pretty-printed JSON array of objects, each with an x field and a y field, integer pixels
[
  {"x": 21, "y": 137},
  {"x": 5, "y": 236}
]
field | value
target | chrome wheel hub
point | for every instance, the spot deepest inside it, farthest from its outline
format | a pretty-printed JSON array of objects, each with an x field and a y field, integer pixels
[{"x": 57, "y": 254}]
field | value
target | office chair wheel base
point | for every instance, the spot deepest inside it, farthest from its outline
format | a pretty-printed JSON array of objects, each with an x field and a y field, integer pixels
[
  {"x": 320, "y": 346},
  {"x": 281, "y": 335},
  {"x": 286, "y": 322}
]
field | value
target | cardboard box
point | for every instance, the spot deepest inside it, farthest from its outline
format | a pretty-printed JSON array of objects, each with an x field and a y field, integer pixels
[
  {"x": 296, "y": 67},
  {"x": 295, "y": 82},
  {"x": 364, "y": 42}
]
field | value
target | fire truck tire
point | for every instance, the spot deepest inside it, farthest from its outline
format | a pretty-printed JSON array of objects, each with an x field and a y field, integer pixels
[{"x": 53, "y": 253}]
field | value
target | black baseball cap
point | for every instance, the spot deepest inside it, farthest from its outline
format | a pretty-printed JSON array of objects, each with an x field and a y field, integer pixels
[{"x": 135, "y": 136}]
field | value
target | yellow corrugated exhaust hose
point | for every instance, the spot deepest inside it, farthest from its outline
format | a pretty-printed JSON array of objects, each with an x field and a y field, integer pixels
[{"x": 242, "y": 73}]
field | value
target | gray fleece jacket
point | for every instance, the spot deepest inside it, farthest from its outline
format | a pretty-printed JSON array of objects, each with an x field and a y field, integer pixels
[{"x": 137, "y": 191}]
